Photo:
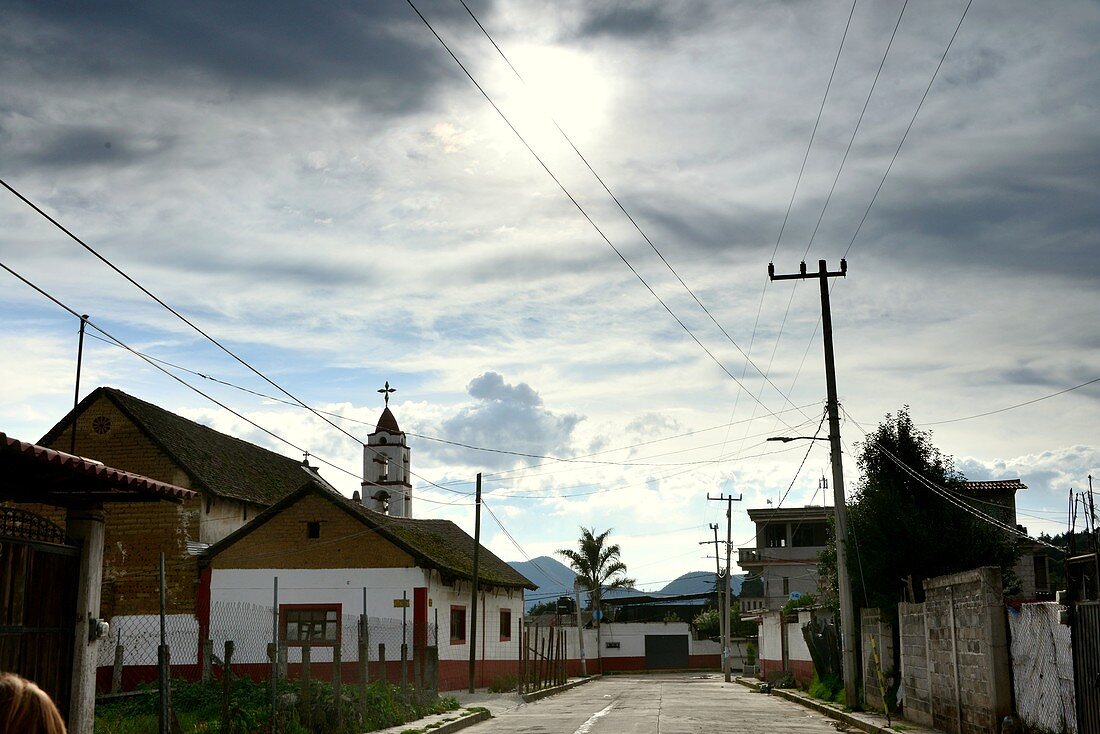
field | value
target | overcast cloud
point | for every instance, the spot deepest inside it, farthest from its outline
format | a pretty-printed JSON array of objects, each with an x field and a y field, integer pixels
[{"x": 321, "y": 187}]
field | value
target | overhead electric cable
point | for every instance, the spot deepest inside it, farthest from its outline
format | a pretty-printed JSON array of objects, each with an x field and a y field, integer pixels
[
  {"x": 580, "y": 208},
  {"x": 628, "y": 215},
  {"x": 1013, "y": 407},
  {"x": 813, "y": 133},
  {"x": 874, "y": 197},
  {"x": 957, "y": 499},
  {"x": 187, "y": 321},
  {"x": 177, "y": 378},
  {"x": 855, "y": 130}
]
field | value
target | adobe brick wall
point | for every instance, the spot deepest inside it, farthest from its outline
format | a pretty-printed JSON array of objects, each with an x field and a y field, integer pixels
[
  {"x": 955, "y": 662},
  {"x": 281, "y": 542},
  {"x": 137, "y": 532}
]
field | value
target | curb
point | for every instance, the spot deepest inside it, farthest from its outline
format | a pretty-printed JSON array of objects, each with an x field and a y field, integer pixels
[
  {"x": 460, "y": 724},
  {"x": 536, "y": 695},
  {"x": 822, "y": 708}
]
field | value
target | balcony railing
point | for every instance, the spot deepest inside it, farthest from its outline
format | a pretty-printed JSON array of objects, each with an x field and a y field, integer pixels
[{"x": 760, "y": 556}]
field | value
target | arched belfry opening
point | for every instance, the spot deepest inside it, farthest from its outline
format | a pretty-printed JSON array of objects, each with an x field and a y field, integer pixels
[{"x": 387, "y": 486}]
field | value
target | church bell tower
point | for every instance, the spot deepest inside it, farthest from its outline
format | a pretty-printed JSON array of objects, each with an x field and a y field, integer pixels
[{"x": 387, "y": 486}]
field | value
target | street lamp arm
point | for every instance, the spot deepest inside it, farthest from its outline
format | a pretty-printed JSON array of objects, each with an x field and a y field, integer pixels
[{"x": 788, "y": 439}]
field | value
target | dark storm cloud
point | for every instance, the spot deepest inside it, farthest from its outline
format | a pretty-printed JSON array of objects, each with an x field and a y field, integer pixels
[
  {"x": 376, "y": 52},
  {"x": 84, "y": 146},
  {"x": 633, "y": 20},
  {"x": 506, "y": 415}
]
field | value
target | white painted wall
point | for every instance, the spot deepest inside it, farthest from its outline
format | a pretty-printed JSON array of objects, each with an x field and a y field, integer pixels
[
  {"x": 253, "y": 587},
  {"x": 489, "y": 643},
  {"x": 224, "y": 517},
  {"x": 771, "y": 642}
]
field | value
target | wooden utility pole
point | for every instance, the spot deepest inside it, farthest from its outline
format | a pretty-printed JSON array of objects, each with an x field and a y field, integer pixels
[
  {"x": 729, "y": 500},
  {"x": 473, "y": 586},
  {"x": 76, "y": 390},
  {"x": 723, "y": 615},
  {"x": 847, "y": 614}
]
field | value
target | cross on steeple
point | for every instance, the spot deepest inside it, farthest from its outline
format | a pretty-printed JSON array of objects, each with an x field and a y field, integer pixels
[{"x": 386, "y": 392}]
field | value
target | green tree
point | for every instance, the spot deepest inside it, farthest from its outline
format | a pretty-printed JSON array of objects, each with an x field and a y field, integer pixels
[
  {"x": 597, "y": 565},
  {"x": 902, "y": 532}
]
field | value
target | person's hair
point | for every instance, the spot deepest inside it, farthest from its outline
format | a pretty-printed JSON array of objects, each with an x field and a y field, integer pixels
[{"x": 26, "y": 708}]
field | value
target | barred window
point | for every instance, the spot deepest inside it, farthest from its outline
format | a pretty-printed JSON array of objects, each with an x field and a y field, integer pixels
[
  {"x": 505, "y": 625},
  {"x": 458, "y": 625},
  {"x": 310, "y": 624}
]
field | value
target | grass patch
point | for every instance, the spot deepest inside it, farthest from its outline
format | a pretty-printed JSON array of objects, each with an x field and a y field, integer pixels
[
  {"x": 198, "y": 708},
  {"x": 830, "y": 689}
]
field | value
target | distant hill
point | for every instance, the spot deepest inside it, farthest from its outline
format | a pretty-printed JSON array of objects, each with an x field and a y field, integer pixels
[
  {"x": 698, "y": 582},
  {"x": 555, "y": 579}
]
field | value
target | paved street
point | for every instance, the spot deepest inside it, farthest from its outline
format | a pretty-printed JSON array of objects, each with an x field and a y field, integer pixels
[{"x": 658, "y": 704}]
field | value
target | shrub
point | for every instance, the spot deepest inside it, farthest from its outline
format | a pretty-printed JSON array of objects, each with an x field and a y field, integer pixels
[
  {"x": 829, "y": 688},
  {"x": 782, "y": 679},
  {"x": 503, "y": 684}
]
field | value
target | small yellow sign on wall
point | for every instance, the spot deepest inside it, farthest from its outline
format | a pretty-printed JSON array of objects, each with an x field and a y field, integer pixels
[{"x": 399, "y": 603}]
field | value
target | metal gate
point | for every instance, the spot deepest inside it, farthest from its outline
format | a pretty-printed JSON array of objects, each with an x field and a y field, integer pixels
[
  {"x": 1086, "y": 665},
  {"x": 38, "y": 574},
  {"x": 666, "y": 651}
]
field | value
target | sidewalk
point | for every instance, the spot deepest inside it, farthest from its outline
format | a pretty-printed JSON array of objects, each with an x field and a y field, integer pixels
[
  {"x": 495, "y": 703},
  {"x": 869, "y": 722}
]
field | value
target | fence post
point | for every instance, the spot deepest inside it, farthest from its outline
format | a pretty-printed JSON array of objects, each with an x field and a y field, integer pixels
[
  {"x": 227, "y": 725},
  {"x": 283, "y": 655},
  {"x": 337, "y": 684},
  {"x": 116, "y": 673},
  {"x": 207, "y": 661},
  {"x": 364, "y": 663},
  {"x": 383, "y": 674},
  {"x": 306, "y": 688},
  {"x": 404, "y": 667},
  {"x": 519, "y": 655}
]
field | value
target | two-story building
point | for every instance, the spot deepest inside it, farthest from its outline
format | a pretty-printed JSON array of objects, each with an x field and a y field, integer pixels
[{"x": 784, "y": 560}]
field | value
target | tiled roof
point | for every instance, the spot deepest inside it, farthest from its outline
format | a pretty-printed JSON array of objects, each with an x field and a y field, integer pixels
[
  {"x": 387, "y": 423},
  {"x": 223, "y": 465},
  {"x": 448, "y": 547},
  {"x": 996, "y": 486},
  {"x": 438, "y": 544},
  {"x": 84, "y": 469}
]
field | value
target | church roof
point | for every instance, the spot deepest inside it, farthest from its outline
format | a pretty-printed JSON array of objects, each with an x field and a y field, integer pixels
[
  {"x": 387, "y": 423},
  {"x": 221, "y": 464},
  {"x": 438, "y": 544}
]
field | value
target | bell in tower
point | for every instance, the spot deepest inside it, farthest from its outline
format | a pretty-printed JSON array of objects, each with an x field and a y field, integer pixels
[{"x": 387, "y": 486}]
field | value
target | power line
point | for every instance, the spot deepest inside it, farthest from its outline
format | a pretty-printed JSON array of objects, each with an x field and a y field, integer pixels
[
  {"x": 813, "y": 134},
  {"x": 1013, "y": 407},
  {"x": 178, "y": 379},
  {"x": 626, "y": 213},
  {"x": 910, "y": 127},
  {"x": 550, "y": 459},
  {"x": 957, "y": 499},
  {"x": 187, "y": 321},
  {"x": 584, "y": 213},
  {"x": 855, "y": 130}
]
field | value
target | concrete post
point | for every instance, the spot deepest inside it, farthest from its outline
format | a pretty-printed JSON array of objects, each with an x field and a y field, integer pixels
[
  {"x": 85, "y": 525},
  {"x": 207, "y": 661},
  {"x": 116, "y": 672}
]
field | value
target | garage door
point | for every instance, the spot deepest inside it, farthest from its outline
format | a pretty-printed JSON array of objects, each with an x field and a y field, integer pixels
[{"x": 666, "y": 651}]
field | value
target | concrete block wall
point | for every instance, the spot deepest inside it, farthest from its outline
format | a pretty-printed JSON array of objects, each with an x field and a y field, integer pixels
[
  {"x": 954, "y": 654},
  {"x": 874, "y": 626}
]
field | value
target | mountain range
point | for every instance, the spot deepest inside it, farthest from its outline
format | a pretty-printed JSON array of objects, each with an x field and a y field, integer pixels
[{"x": 555, "y": 579}]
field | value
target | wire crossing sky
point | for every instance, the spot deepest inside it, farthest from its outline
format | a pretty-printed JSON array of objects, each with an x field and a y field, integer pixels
[{"x": 323, "y": 191}]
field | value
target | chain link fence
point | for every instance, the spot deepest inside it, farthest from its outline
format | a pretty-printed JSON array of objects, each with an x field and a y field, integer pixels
[
  {"x": 1042, "y": 668},
  {"x": 128, "y": 655}
]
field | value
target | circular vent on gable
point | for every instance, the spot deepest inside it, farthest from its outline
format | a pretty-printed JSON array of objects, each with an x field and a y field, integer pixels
[{"x": 101, "y": 424}]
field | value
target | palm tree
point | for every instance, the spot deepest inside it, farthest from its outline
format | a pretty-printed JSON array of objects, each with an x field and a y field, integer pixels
[{"x": 597, "y": 566}]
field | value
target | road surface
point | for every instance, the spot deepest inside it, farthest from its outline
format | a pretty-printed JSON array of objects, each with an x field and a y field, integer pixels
[{"x": 659, "y": 704}]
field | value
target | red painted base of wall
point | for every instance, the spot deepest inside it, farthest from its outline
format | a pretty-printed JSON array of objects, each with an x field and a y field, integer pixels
[
  {"x": 802, "y": 670},
  {"x": 452, "y": 673}
]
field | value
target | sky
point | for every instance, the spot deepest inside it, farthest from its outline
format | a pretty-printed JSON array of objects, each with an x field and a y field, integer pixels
[{"x": 322, "y": 189}]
